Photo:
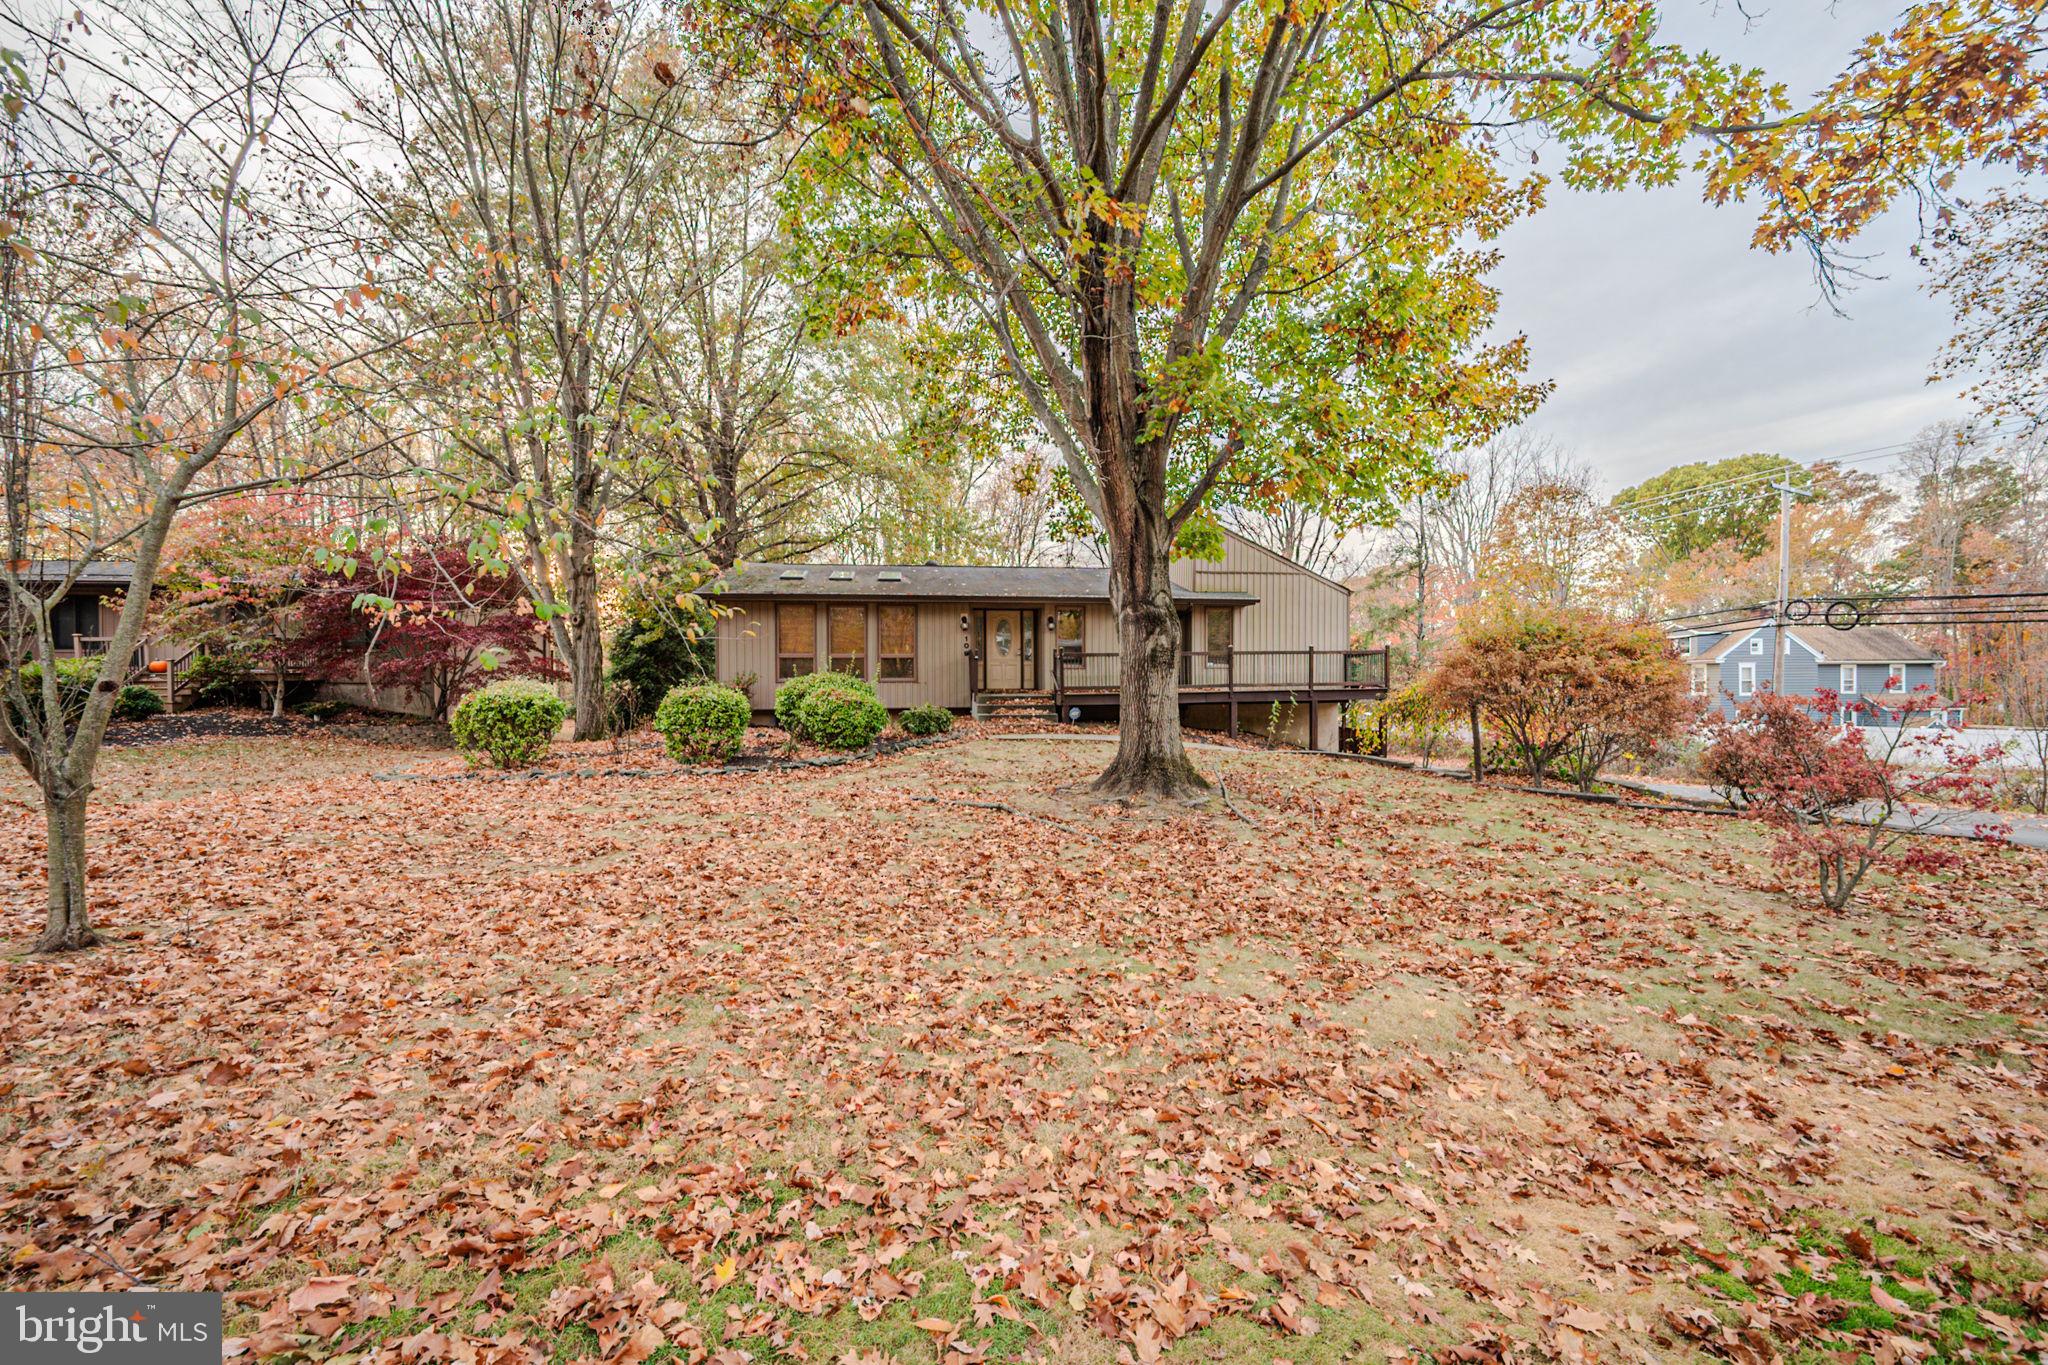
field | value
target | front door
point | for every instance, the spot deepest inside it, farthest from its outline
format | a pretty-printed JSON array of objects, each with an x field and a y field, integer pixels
[{"x": 1003, "y": 669}]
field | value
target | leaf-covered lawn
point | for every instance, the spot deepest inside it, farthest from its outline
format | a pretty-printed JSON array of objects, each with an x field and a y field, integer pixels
[{"x": 838, "y": 1064}]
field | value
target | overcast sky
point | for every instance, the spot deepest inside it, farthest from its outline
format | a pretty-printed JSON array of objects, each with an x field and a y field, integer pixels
[{"x": 1670, "y": 340}]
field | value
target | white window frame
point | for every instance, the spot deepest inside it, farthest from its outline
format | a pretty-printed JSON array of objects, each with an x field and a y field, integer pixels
[
  {"x": 1756, "y": 644},
  {"x": 1849, "y": 682},
  {"x": 1745, "y": 680}
]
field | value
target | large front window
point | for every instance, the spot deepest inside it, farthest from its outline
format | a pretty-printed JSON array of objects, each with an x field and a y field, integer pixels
[
  {"x": 847, "y": 629},
  {"x": 796, "y": 640},
  {"x": 898, "y": 631}
]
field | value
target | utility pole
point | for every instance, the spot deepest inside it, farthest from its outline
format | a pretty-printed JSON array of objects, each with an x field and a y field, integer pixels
[
  {"x": 1786, "y": 492},
  {"x": 1421, "y": 578}
]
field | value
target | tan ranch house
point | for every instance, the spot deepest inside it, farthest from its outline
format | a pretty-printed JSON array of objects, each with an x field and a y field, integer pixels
[{"x": 1265, "y": 641}]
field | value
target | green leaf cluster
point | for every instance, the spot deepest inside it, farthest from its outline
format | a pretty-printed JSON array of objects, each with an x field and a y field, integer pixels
[{"x": 832, "y": 709}]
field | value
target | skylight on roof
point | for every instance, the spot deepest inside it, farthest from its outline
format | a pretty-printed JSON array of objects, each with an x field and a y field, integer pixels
[
  {"x": 888, "y": 576},
  {"x": 842, "y": 575},
  {"x": 796, "y": 574}
]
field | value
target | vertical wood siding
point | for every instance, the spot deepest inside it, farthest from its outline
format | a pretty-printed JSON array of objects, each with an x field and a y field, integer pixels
[
  {"x": 746, "y": 644},
  {"x": 1296, "y": 609}
]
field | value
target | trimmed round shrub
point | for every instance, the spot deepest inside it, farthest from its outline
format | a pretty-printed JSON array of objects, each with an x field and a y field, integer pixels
[
  {"x": 790, "y": 697},
  {"x": 925, "y": 720},
  {"x": 138, "y": 703},
  {"x": 841, "y": 717},
  {"x": 510, "y": 723},
  {"x": 703, "y": 723}
]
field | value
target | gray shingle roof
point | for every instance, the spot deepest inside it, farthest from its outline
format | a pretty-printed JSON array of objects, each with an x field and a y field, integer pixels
[
  {"x": 97, "y": 573},
  {"x": 1856, "y": 645},
  {"x": 961, "y": 582},
  {"x": 1861, "y": 645}
]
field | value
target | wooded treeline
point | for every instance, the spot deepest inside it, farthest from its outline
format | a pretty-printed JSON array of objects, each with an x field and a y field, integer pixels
[{"x": 1959, "y": 510}]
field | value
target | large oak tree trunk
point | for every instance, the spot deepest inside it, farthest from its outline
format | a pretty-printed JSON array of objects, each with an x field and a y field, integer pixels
[
  {"x": 68, "y": 926},
  {"x": 1150, "y": 759}
]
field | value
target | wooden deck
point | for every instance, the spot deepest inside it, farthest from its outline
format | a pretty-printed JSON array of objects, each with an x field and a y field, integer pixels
[{"x": 1232, "y": 680}]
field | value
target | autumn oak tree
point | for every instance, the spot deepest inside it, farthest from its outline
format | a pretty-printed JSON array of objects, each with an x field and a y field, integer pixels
[
  {"x": 1226, "y": 246},
  {"x": 1953, "y": 84},
  {"x": 516, "y": 188}
]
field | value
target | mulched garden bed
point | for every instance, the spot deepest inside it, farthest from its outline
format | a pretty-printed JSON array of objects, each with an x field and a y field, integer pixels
[
  {"x": 237, "y": 722},
  {"x": 217, "y": 723}
]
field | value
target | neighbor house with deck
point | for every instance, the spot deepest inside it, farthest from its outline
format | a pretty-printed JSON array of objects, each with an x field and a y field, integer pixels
[
  {"x": 1265, "y": 642},
  {"x": 1873, "y": 665}
]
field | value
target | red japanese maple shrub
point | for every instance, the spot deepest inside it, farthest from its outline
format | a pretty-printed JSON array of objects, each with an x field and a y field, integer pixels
[
  {"x": 433, "y": 621},
  {"x": 1845, "y": 800}
]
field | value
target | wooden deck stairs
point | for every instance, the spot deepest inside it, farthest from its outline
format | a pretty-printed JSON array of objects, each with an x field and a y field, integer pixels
[
  {"x": 174, "y": 686},
  {"x": 158, "y": 665},
  {"x": 1037, "y": 705}
]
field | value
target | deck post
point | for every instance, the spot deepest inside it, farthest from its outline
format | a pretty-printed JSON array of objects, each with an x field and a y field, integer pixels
[
  {"x": 1230, "y": 685},
  {"x": 1478, "y": 754},
  {"x": 1312, "y": 746}
]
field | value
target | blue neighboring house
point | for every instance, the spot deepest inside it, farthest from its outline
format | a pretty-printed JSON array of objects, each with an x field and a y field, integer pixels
[{"x": 1880, "y": 667}]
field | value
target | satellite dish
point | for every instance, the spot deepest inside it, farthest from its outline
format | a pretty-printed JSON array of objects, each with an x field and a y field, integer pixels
[{"x": 1073, "y": 714}]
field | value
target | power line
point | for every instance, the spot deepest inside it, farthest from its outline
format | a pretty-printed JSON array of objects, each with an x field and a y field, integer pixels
[{"x": 1846, "y": 611}]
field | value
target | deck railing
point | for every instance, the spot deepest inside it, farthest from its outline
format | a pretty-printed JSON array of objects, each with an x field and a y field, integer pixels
[
  {"x": 1337, "y": 672},
  {"x": 157, "y": 661},
  {"x": 92, "y": 646}
]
